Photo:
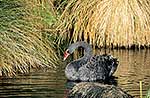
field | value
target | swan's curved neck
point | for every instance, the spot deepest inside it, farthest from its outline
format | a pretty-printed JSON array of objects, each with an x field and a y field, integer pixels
[{"x": 87, "y": 49}]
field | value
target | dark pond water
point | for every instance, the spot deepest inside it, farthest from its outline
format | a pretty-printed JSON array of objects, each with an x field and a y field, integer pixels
[{"x": 134, "y": 66}]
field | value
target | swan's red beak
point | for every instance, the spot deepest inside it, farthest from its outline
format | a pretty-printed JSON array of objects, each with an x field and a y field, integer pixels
[{"x": 66, "y": 54}]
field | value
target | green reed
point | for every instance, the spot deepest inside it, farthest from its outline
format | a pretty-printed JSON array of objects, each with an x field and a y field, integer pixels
[{"x": 148, "y": 94}]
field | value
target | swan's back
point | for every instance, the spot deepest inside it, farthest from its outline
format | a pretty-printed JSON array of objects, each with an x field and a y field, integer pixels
[
  {"x": 100, "y": 67},
  {"x": 106, "y": 62}
]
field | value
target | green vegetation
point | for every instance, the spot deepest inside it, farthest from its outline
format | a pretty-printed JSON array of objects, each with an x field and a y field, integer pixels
[
  {"x": 148, "y": 94},
  {"x": 23, "y": 40}
]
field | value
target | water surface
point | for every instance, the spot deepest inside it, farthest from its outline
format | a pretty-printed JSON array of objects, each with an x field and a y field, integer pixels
[{"x": 134, "y": 66}]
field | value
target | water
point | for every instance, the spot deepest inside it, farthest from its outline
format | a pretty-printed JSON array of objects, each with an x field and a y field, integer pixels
[{"x": 134, "y": 66}]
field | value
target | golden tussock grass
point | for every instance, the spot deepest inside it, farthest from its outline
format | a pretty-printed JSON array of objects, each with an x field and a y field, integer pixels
[{"x": 107, "y": 22}]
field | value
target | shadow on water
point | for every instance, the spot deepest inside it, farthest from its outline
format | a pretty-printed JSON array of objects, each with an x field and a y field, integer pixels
[{"x": 134, "y": 66}]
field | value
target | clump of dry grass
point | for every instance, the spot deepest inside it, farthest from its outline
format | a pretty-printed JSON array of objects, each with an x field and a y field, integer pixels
[
  {"x": 97, "y": 90},
  {"x": 23, "y": 43},
  {"x": 107, "y": 22}
]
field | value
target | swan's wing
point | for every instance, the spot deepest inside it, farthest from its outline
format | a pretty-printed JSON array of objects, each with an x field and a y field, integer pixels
[
  {"x": 107, "y": 63},
  {"x": 93, "y": 71},
  {"x": 71, "y": 70},
  {"x": 112, "y": 65}
]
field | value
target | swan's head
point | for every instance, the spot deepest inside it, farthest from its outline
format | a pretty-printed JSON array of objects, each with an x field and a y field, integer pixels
[
  {"x": 66, "y": 54},
  {"x": 70, "y": 50},
  {"x": 74, "y": 46}
]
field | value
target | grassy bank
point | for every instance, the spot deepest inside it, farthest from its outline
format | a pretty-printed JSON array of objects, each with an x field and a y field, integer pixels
[{"x": 25, "y": 43}]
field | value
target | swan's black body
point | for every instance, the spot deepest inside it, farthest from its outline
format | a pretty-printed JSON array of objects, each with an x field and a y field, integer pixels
[{"x": 90, "y": 68}]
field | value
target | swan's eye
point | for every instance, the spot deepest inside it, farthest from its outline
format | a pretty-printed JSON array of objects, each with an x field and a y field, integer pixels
[{"x": 67, "y": 51}]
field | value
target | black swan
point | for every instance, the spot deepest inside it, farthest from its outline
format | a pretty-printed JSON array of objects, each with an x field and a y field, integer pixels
[
  {"x": 97, "y": 90},
  {"x": 89, "y": 68}
]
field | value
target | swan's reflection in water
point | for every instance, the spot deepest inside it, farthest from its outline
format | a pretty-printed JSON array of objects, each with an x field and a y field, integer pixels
[{"x": 95, "y": 90}]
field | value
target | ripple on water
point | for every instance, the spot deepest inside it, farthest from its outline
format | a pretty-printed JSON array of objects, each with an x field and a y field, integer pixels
[{"x": 134, "y": 66}]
